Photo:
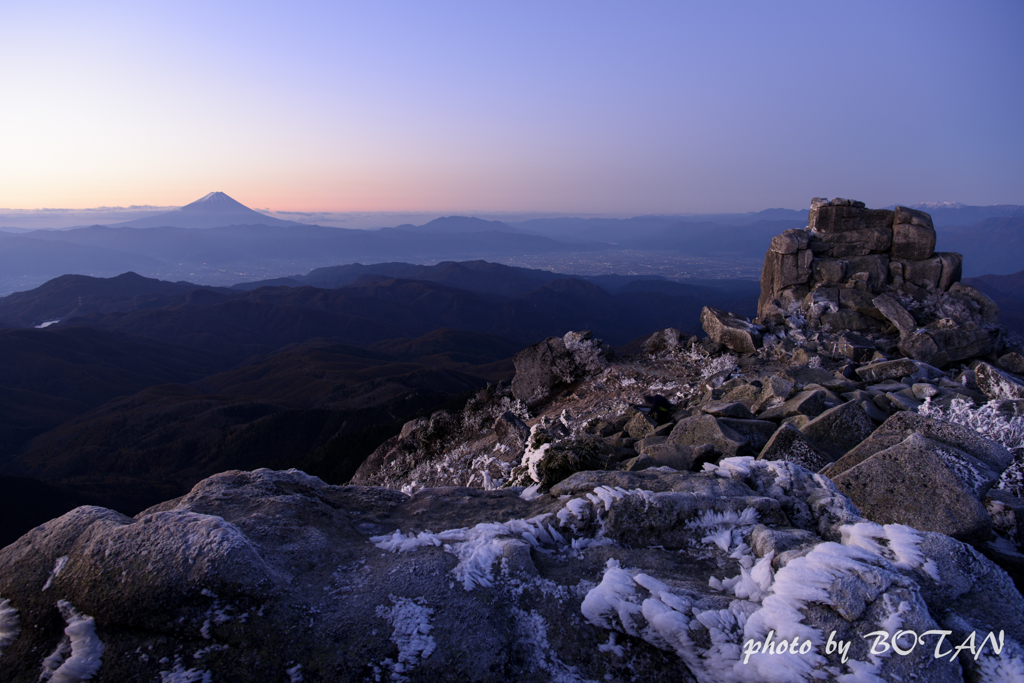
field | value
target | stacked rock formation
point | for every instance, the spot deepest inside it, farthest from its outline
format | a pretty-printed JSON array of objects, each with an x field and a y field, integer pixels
[{"x": 876, "y": 270}]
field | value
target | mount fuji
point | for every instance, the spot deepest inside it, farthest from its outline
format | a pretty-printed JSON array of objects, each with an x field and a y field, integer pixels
[{"x": 215, "y": 210}]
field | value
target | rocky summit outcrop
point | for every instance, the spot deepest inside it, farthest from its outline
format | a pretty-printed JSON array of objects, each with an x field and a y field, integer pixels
[
  {"x": 774, "y": 502},
  {"x": 656, "y": 575},
  {"x": 868, "y": 271}
]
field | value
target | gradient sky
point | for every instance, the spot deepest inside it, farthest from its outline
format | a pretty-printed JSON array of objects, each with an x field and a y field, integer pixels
[{"x": 616, "y": 107}]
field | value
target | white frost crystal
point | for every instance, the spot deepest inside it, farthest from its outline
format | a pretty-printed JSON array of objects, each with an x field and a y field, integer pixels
[
  {"x": 9, "y": 624},
  {"x": 410, "y": 621}
]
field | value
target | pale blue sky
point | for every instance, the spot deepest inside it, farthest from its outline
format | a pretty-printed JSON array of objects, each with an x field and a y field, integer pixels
[{"x": 639, "y": 107}]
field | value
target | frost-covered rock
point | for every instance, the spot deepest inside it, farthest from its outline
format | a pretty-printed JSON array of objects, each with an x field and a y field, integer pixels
[
  {"x": 735, "y": 332},
  {"x": 613, "y": 576},
  {"x": 997, "y": 384},
  {"x": 924, "y": 484}
]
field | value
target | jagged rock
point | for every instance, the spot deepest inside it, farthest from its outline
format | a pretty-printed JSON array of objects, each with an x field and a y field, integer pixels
[
  {"x": 895, "y": 313},
  {"x": 839, "y": 429},
  {"x": 811, "y": 403},
  {"x": 677, "y": 456},
  {"x": 895, "y": 369},
  {"x": 549, "y": 460},
  {"x": 790, "y": 241},
  {"x": 361, "y": 564},
  {"x": 924, "y": 484},
  {"x": 829, "y": 271},
  {"x": 538, "y": 372},
  {"x": 511, "y": 431},
  {"x": 789, "y": 443},
  {"x": 727, "y": 409},
  {"x": 705, "y": 429},
  {"x": 851, "y": 345},
  {"x": 845, "y": 319},
  {"x": 640, "y": 425},
  {"x": 774, "y": 391},
  {"x": 902, "y": 425},
  {"x": 640, "y": 462},
  {"x": 746, "y": 394},
  {"x": 988, "y": 309},
  {"x": 997, "y": 384},
  {"x": 903, "y": 400},
  {"x": 940, "y": 346},
  {"x": 738, "y": 334},
  {"x": 782, "y": 272},
  {"x": 802, "y": 377},
  {"x": 664, "y": 341},
  {"x": 757, "y": 432},
  {"x": 876, "y": 266}
]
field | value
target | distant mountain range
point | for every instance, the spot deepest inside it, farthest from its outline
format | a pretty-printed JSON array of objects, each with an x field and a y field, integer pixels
[{"x": 218, "y": 241}]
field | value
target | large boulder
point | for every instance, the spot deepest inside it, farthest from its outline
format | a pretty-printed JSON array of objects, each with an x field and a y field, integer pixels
[
  {"x": 895, "y": 313},
  {"x": 924, "y": 484},
  {"x": 897, "y": 428},
  {"x": 705, "y": 429},
  {"x": 620, "y": 576},
  {"x": 913, "y": 235},
  {"x": 735, "y": 332},
  {"x": 541, "y": 369},
  {"x": 839, "y": 429},
  {"x": 943, "y": 343},
  {"x": 789, "y": 443},
  {"x": 849, "y": 230}
]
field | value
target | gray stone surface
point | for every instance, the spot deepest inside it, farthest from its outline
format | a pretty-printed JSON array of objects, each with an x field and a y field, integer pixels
[
  {"x": 810, "y": 403},
  {"x": 640, "y": 426},
  {"x": 537, "y": 370},
  {"x": 789, "y": 443},
  {"x": 664, "y": 341},
  {"x": 790, "y": 241},
  {"x": 940, "y": 345},
  {"x": 923, "y": 484},
  {"x": 705, "y": 429},
  {"x": 839, "y": 429},
  {"x": 997, "y": 384},
  {"x": 912, "y": 241},
  {"x": 952, "y": 269},
  {"x": 988, "y": 309},
  {"x": 850, "y": 231},
  {"x": 727, "y": 409},
  {"x": 1012, "y": 362},
  {"x": 895, "y": 313},
  {"x": 897, "y": 428},
  {"x": 896, "y": 369},
  {"x": 757, "y": 432}
]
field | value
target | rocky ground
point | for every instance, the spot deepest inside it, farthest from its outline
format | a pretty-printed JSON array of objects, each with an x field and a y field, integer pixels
[{"x": 663, "y": 516}]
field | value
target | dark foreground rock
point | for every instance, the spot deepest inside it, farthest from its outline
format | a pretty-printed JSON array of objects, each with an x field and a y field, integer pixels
[{"x": 620, "y": 576}]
